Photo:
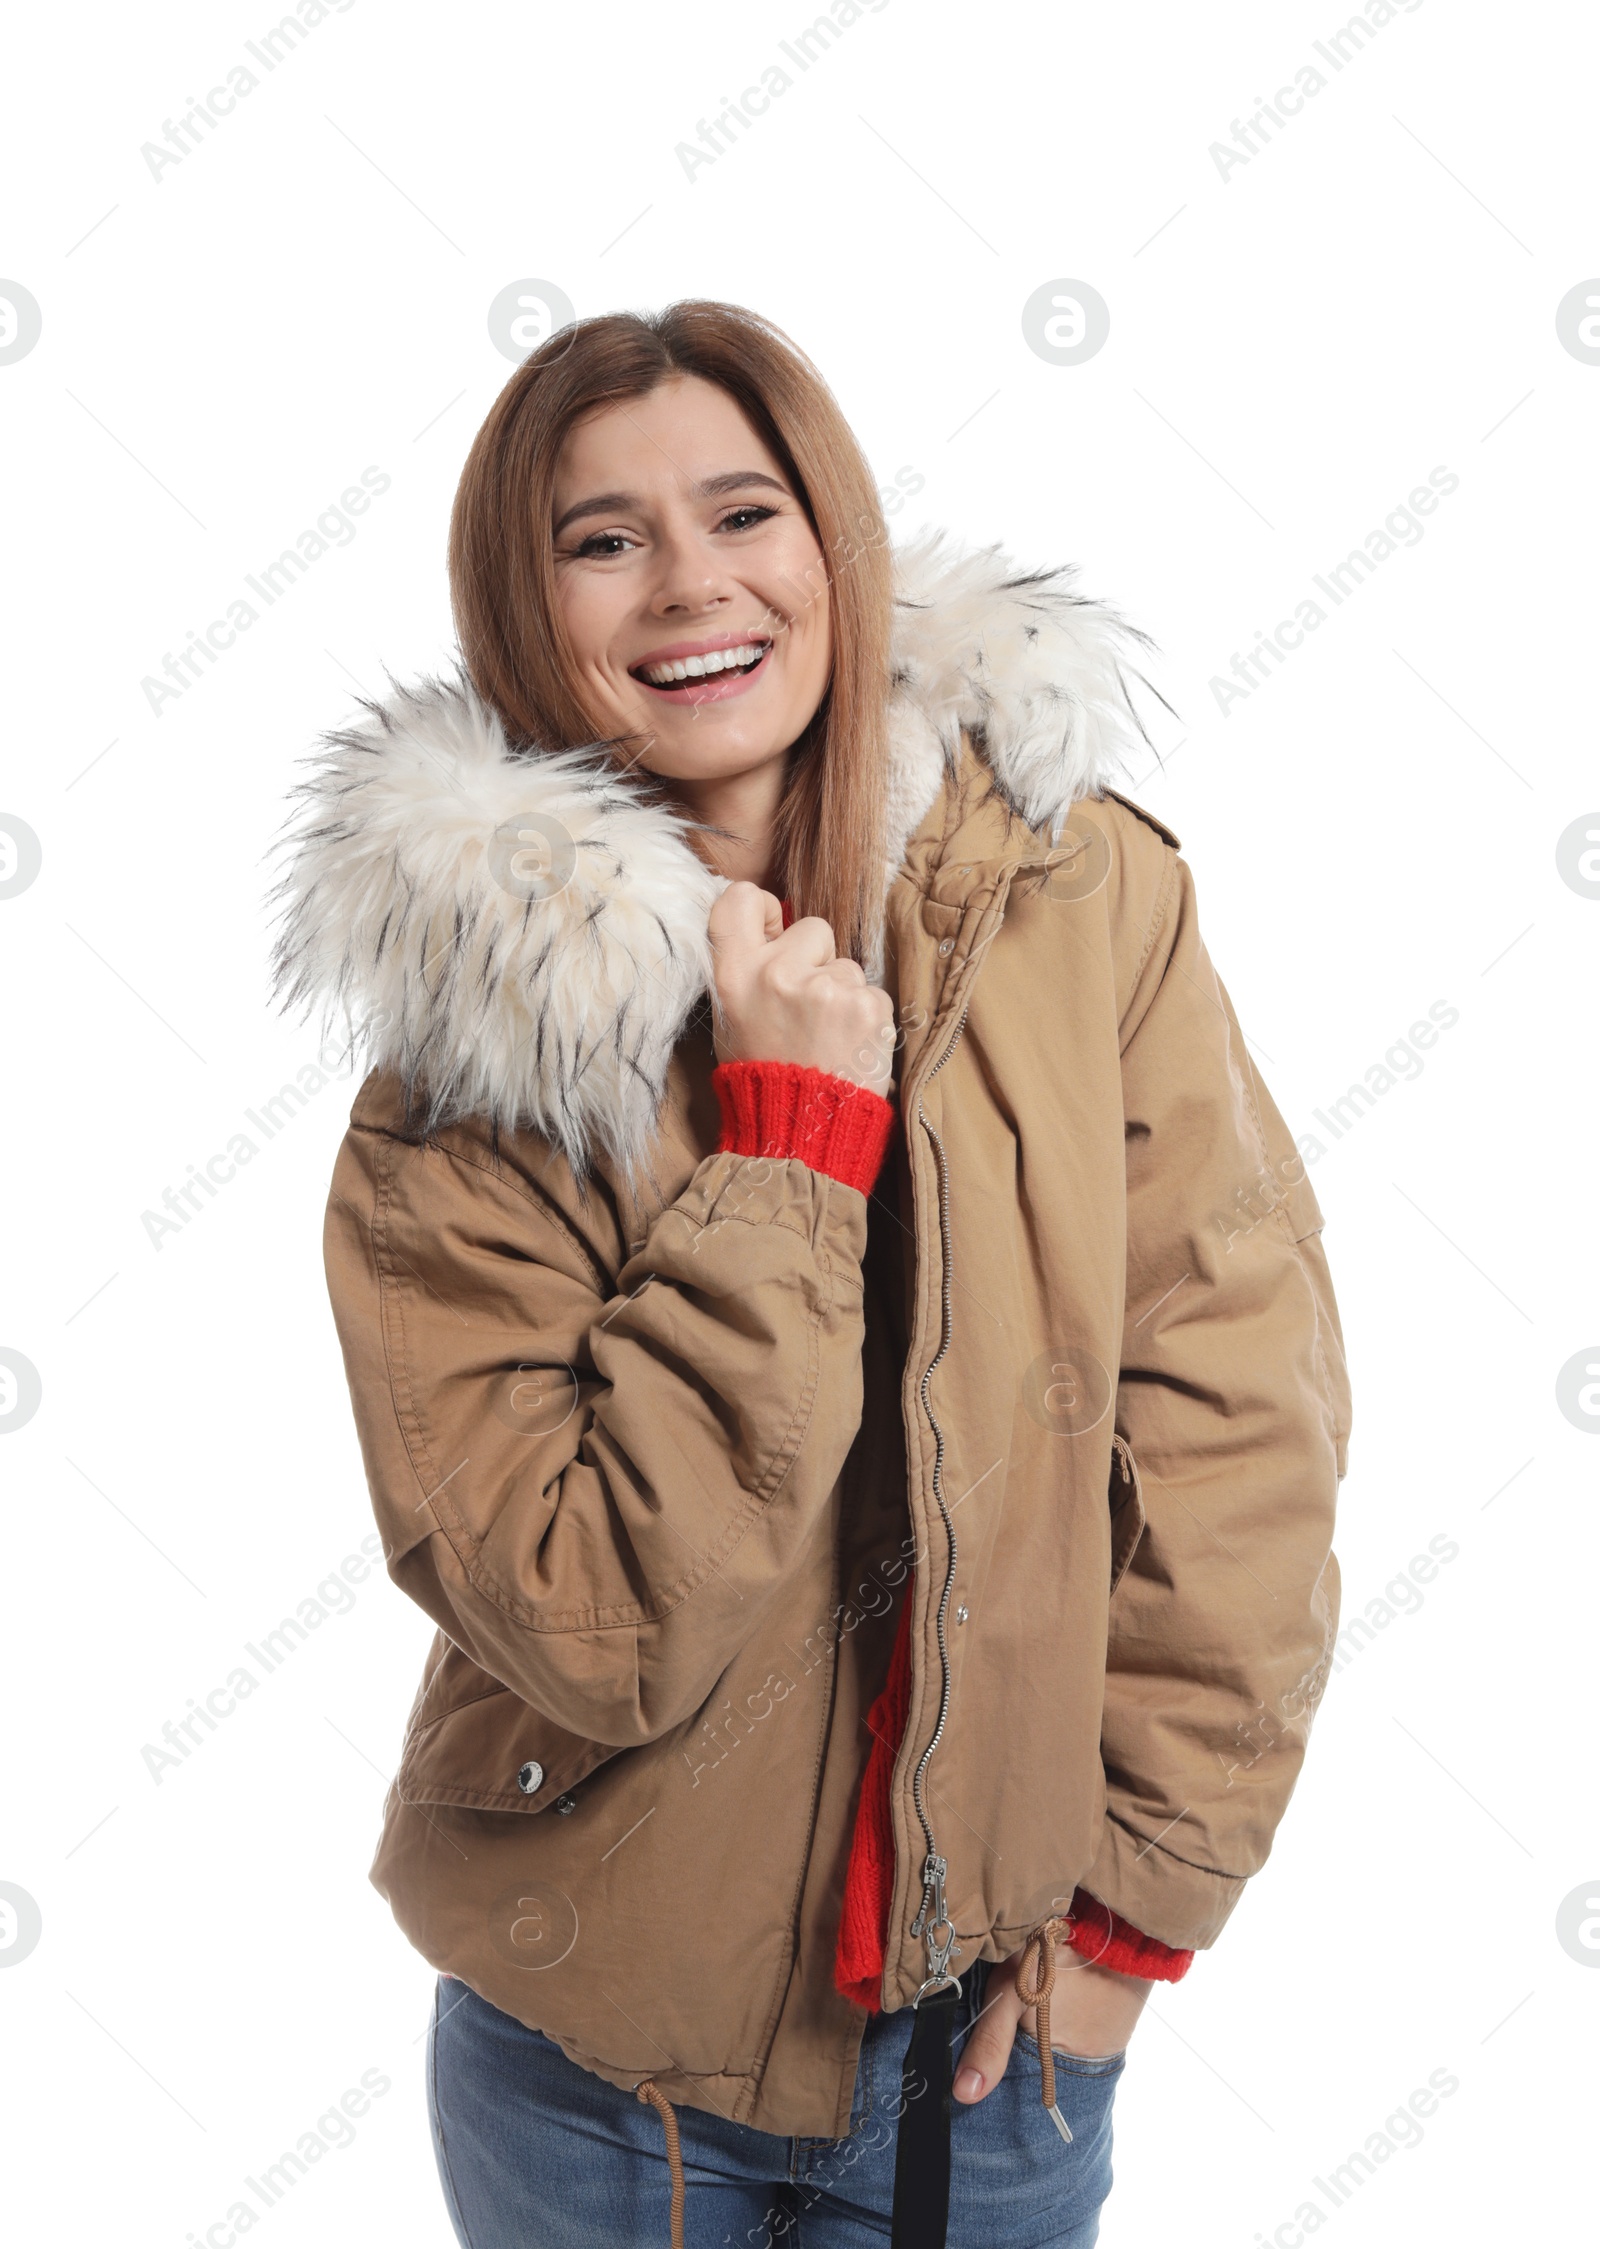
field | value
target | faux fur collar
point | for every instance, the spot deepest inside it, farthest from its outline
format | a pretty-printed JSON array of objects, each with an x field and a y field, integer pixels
[{"x": 423, "y": 901}]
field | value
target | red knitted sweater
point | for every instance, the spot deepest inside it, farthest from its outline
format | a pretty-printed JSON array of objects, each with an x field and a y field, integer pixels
[
  {"x": 1097, "y": 1932},
  {"x": 780, "y": 1109}
]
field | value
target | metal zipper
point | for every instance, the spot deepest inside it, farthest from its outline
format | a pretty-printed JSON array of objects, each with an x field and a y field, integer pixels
[{"x": 933, "y": 1923}]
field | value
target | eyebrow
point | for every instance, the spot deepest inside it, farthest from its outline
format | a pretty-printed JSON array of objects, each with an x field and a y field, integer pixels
[{"x": 712, "y": 488}]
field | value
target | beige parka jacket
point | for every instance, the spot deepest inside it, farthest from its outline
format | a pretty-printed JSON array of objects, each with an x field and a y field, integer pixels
[{"x": 658, "y": 1436}]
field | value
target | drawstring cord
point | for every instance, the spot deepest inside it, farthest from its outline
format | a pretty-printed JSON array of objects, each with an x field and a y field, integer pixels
[
  {"x": 1043, "y": 1939},
  {"x": 650, "y": 2092}
]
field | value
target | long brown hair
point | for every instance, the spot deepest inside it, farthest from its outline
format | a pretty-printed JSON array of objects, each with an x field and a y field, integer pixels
[{"x": 830, "y": 830}]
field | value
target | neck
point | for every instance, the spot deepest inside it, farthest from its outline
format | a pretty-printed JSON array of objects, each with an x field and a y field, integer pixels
[{"x": 744, "y": 807}]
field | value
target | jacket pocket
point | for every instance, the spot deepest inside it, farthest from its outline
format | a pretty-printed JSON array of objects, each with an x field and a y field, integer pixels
[
  {"x": 1127, "y": 1509},
  {"x": 472, "y": 1742}
]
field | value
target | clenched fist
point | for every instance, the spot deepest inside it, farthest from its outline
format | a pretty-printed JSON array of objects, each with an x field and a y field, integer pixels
[{"x": 784, "y": 995}]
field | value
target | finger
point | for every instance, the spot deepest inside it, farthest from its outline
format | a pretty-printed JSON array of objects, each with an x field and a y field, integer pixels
[
  {"x": 744, "y": 916},
  {"x": 988, "y": 2048},
  {"x": 810, "y": 940}
]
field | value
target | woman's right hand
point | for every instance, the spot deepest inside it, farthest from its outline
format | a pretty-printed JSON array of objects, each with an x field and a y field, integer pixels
[{"x": 784, "y": 995}]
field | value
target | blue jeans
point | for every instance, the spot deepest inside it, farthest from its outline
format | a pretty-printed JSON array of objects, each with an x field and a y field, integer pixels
[{"x": 536, "y": 2153}]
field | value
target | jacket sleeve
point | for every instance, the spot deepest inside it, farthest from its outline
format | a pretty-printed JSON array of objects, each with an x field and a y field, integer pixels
[
  {"x": 596, "y": 1486},
  {"x": 1234, "y": 1400}
]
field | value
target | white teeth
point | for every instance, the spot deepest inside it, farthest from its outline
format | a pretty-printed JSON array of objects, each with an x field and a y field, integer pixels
[{"x": 700, "y": 667}]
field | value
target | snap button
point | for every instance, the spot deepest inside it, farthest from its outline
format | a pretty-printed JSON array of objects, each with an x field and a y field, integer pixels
[
  {"x": 565, "y": 1804},
  {"x": 530, "y": 1779},
  {"x": 947, "y": 944},
  {"x": 961, "y": 1614}
]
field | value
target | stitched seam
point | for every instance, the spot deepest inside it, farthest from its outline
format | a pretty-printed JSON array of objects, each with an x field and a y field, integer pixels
[
  {"x": 483, "y": 1695},
  {"x": 456, "y": 2211},
  {"x": 391, "y": 1300},
  {"x": 1324, "y": 1370},
  {"x": 434, "y": 1669},
  {"x": 787, "y": 1452},
  {"x": 1280, "y": 1211},
  {"x": 1149, "y": 818},
  {"x": 546, "y": 1208},
  {"x": 1217, "y": 1873},
  {"x": 464, "y": 1797},
  {"x": 1158, "y": 918},
  {"x": 1162, "y": 905},
  {"x": 819, "y": 1754}
]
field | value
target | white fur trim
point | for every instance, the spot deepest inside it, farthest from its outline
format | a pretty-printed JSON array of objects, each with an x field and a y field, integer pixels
[
  {"x": 405, "y": 913},
  {"x": 558, "y": 1012}
]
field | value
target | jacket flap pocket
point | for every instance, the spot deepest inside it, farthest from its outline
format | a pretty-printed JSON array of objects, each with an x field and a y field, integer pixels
[
  {"x": 495, "y": 1753},
  {"x": 1127, "y": 1509}
]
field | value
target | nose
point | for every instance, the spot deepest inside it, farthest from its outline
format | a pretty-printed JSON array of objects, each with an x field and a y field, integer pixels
[{"x": 690, "y": 580}]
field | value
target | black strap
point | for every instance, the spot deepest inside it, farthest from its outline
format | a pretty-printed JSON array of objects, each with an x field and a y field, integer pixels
[{"x": 922, "y": 2157}]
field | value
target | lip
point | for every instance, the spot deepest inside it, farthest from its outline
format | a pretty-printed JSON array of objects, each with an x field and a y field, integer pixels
[
  {"x": 675, "y": 650},
  {"x": 721, "y": 687}
]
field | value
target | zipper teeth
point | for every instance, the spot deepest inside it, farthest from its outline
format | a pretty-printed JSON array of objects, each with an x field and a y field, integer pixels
[{"x": 938, "y": 1440}]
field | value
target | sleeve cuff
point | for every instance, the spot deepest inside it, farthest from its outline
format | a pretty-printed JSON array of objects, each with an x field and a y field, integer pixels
[
  {"x": 1105, "y": 1938},
  {"x": 783, "y": 1109}
]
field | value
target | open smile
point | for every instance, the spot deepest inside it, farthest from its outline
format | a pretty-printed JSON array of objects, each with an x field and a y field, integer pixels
[{"x": 703, "y": 671}]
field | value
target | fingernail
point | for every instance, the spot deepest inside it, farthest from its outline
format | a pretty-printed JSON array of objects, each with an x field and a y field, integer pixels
[{"x": 969, "y": 2084}]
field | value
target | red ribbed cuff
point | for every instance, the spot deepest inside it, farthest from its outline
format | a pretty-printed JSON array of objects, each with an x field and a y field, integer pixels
[
  {"x": 783, "y": 1109},
  {"x": 1110, "y": 1942}
]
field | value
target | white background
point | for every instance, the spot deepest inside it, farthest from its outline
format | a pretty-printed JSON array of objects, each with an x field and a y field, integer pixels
[{"x": 1293, "y": 347}]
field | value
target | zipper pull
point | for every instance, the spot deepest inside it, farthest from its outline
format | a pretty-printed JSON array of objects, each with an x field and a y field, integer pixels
[
  {"x": 933, "y": 1871},
  {"x": 934, "y": 1926}
]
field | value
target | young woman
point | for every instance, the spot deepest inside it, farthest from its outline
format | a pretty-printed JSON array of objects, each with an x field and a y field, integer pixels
[{"x": 838, "y": 1331}]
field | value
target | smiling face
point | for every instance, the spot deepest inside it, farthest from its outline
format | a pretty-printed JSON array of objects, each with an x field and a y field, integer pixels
[{"x": 691, "y": 584}]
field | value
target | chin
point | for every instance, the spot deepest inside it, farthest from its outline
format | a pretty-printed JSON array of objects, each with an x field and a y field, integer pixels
[
  {"x": 705, "y": 760},
  {"x": 723, "y": 734}
]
